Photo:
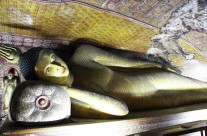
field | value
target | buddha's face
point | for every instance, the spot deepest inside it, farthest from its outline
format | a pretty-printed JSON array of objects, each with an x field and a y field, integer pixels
[
  {"x": 50, "y": 65},
  {"x": 10, "y": 75}
]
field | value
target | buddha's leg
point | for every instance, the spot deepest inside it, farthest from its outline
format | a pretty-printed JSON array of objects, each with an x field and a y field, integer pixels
[
  {"x": 87, "y": 104},
  {"x": 153, "y": 89}
]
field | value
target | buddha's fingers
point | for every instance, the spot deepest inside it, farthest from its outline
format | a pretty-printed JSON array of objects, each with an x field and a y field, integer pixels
[
  {"x": 6, "y": 52},
  {"x": 9, "y": 48},
  {"x": 5, "y": 56},
  {"x": 10, "y": 54}
]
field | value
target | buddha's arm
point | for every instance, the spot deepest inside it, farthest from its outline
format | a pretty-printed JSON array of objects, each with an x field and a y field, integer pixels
[
  {"x": 87, "y": 104},
  {"x": 111, "y": 60}
]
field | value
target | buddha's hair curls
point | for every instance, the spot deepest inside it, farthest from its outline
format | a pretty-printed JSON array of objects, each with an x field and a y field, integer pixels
[{"x": 28, "y": 61}]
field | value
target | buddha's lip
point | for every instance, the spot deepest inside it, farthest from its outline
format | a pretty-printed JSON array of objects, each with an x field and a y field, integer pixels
[{"x": 64, "y": 70}]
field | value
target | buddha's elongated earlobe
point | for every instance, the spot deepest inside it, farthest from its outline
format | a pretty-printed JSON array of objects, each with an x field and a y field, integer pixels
[{"x": 11, "y": 54}]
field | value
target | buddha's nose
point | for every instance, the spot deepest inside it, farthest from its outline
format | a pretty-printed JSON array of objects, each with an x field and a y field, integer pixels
[{"x": 59, "y": 68}]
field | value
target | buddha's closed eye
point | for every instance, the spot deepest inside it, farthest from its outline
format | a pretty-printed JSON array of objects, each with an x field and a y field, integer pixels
[
  {"x": 48, "y": 70},
  {"x": 52, "y": 57}
]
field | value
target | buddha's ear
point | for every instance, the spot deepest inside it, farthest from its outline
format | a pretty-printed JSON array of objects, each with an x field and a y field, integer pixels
[
  {"x": 37, "y": 103},
  {"x": 40, "y": 68}
]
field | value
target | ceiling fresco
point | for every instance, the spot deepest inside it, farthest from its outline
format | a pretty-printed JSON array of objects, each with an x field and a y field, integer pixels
[{"x": 175, "y": 30}]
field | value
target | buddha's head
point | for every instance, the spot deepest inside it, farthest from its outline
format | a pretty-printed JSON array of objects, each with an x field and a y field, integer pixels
[
  {"x": 49, "y": 65},
  {"x": 43, "y": 64},
  {"x": 10, "y": 75}
]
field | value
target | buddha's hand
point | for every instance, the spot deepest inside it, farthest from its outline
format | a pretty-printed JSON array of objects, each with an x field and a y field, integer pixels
[
  {"x": 86, "y": 104},
  {"x": 11, "y": 54}
]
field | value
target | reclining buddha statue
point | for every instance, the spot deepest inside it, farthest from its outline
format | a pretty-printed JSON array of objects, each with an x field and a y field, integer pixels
[{"x": 95, "y": 78}]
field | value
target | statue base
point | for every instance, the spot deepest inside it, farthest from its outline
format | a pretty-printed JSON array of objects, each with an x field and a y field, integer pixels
[{"x": 136, "y": 122}]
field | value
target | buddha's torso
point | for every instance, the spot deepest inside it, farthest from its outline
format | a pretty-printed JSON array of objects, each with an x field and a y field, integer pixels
[
  {"x": 10, "y": 84},
  {"x": 137, "y": 87}
]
